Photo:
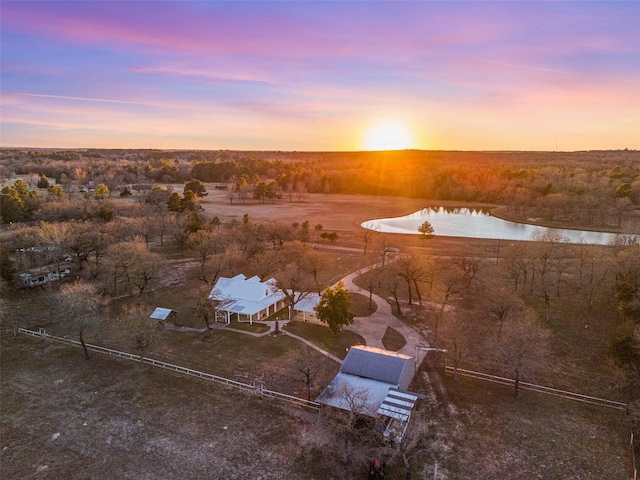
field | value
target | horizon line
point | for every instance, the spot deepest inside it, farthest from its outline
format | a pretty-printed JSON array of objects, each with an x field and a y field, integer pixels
[{"x": 315, "y": 151}]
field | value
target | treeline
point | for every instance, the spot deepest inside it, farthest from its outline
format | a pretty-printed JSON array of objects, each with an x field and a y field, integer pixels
[
  {"x": 229, "y": 171},
  {"x": 592, "y": 189}
]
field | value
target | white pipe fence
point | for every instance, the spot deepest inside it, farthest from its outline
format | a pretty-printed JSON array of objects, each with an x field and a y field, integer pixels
[
  {"x": 633, "y": 459},
  {"x": 540, "y": 388},
  {"x": 249, "y": 387}
]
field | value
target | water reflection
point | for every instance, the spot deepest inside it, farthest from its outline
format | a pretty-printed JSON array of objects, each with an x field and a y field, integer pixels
[{"x": 477, "y": 222}]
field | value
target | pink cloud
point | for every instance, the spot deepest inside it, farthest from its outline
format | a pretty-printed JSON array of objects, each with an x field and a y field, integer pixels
[{"x": 226, "y": 28}]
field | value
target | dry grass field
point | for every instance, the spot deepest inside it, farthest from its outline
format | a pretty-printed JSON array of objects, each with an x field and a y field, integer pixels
[{"x": 64, "y": 417}]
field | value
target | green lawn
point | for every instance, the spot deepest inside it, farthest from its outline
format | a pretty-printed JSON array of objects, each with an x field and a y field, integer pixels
[
  {"x": 247, "y": 327},
  {"x": 338, "y": 344}
]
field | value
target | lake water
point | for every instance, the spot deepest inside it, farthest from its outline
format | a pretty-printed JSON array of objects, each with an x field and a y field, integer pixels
[{"x": 479, "y": 223}]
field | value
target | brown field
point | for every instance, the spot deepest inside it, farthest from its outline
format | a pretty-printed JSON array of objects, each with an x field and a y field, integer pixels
[{"x": 64, "y": 417}]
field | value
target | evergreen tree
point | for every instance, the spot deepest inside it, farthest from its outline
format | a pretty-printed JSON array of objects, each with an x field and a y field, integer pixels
[
  {"x": 426, "y": 231},
  {"x": 197, "y": 187},
  {"x": 7, "y": 269},
  {"x": 43, "y": 182},
  {"x": 333, "y": 308}
]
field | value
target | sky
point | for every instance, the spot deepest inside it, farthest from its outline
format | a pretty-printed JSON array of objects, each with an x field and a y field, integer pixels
[{"x": 320, "y": 76}]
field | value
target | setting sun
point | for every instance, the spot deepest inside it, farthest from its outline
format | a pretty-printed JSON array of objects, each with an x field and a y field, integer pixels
[{"x": 388, "y": 135}]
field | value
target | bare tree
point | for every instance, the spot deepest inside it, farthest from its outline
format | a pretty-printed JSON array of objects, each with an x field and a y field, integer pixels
[
  {"x": 518, "y": 265},
  {"x": 501, "y": 303},
  {"x": 415, "y": 269},
  {"x": 313, "y": 263},
  {"x": 141, "y": 329},
  {"x": 598, "y": 272},
  {"x": 356, "y": 403},
  {"x": 86, "y": 240},
  {"x": 158, "y": 200},
  {"x": 80, "y": 307},
  {"x": 203, "y": 244},
  {"x": 233, "y": 255},
  {"x": 457, "y": 339},
  {"x": 146, "y": 227},
  {"x": 295, "y": 283},
  {"x": 524, "y": 346},
  {"x": 367, "y": 235},
  {"x": 249, "y": 236},
  {"x": 386, "y": 250},
  {"x": 455, "y": 278},
  {"x": 278, "y": 232},
  {"x": 306, "y": 367},
  {"x": 622, "y": 207},
  {"x": 318, "y": 228},
  {"x": 131, "y": 264},
  {"x": 372, "y": 280},
  {"x": 264, "y": 263},
  {"x": 391, "y": 282},
  {"x": 203, "y": 308},
  {"x": 547, "y": 253},
  {"x": 53, "y": 240},
  {"x": 145, "y": 268}
]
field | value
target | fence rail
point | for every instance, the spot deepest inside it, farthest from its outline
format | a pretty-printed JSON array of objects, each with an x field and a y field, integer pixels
[
  {"x": 579, "y": 397},
  {"x": 249, "y": 387},
  {"x": 634, "y": 465}
]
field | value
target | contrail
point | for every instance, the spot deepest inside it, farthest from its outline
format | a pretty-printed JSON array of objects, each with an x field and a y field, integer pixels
[{"x": 86, "y": 99}]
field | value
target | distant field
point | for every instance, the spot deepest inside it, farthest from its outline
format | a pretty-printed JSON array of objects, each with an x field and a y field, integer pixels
[{"x": 333, "y": 212}]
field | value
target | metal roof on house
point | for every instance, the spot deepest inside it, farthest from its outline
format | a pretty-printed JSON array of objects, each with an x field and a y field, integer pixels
[
  {"x": 308, "y": 303},
  {"x": 161, "y": 313},
  {"x": 377, "y": 364},
  {"x": 246, "y": 295}
]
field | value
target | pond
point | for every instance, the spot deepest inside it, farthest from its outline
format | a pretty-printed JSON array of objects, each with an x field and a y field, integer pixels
[{"x": 479, "y": 223}]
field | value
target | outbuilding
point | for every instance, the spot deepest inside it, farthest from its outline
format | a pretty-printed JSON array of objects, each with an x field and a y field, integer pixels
[
  {"x": 379, "y": 379},
  {"x": 163, "y": 315}
]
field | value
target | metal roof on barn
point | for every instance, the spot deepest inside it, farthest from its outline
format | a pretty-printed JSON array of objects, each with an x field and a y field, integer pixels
[
  {"x": 380, "y": 379},
  {"x": 398, "y": 404},
  {"x": 377, "y": 364},
  {"x": 337, "y": 393},
  {"x": 372, "y": 369}
]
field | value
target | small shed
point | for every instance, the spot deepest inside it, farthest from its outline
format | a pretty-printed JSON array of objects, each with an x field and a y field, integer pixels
[{"x": 163, "y": 315}]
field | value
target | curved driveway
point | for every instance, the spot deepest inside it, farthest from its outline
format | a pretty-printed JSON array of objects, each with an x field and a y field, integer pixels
[{"x": 373, "y": 327}]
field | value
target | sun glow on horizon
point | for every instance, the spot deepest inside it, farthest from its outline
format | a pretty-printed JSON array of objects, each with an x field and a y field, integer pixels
[{"x": 388, "y": 135}]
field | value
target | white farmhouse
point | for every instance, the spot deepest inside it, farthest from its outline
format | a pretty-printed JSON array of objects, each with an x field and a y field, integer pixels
[{"x": 249, "y": 299}]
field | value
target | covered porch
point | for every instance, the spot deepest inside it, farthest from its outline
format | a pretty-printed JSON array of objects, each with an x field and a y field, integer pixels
[{"x": 244, "y": 313}]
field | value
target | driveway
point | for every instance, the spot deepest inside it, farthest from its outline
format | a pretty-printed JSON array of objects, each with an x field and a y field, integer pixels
[{"x": 373, "y": 327}]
